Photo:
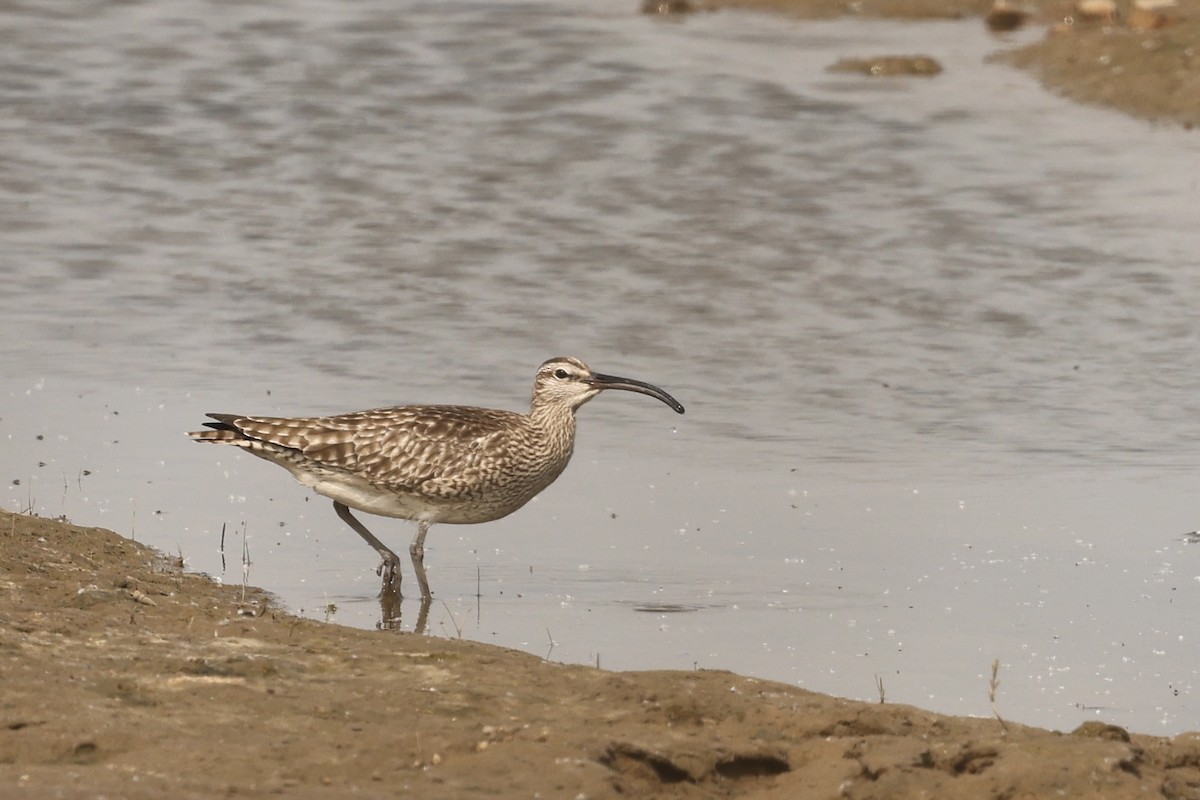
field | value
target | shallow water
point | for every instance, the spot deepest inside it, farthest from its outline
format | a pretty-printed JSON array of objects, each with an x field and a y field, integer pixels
[{"x": 936, "y": 338}]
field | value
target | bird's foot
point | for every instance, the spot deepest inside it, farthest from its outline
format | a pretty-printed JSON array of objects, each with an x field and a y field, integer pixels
[{"x": 389, "y": 571}]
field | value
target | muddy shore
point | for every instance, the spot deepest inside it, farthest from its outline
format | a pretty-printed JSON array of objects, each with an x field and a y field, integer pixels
[
  {"x": 1143, "y": 62},
  {"x": 125, "y": 677}
]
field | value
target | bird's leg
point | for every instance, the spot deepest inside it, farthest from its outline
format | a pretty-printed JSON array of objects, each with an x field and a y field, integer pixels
[
  {"x": 417, "y": 548},
  {"x": 417, "y": 551},
  {"x": 389, "y": 570}
]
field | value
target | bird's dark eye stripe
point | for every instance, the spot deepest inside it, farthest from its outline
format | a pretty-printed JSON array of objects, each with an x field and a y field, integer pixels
[{"x": 560, "y": 373}]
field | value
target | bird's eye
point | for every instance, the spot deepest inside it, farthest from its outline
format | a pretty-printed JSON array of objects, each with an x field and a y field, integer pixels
[{"x": 561, "y": 374}]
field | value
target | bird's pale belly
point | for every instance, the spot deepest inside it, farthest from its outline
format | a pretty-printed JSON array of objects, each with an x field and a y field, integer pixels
[{"x": 407, "y": 505}]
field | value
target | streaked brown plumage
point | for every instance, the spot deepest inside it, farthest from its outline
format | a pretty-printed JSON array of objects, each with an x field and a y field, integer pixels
[{"x": 455, "y": 464}]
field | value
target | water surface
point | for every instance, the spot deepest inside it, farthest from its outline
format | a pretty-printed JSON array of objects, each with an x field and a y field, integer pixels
[{"x": 936, "y": 338}]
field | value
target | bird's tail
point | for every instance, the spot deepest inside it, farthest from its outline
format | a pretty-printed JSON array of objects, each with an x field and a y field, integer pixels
[{"x": 223, "y": 431}]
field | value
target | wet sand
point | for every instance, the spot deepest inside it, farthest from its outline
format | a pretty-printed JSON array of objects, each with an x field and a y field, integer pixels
[
  {"x": 126, "y": 677},
  {"x": 1145, "y": 63}
]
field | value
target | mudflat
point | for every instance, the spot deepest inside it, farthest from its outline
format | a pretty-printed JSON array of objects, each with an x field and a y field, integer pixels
[
  {"x": 1140, "y": 57},
  {"x": 124, "y": 676}
]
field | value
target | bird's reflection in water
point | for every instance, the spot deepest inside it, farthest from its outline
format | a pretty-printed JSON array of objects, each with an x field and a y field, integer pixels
[{"x": 391, "y": 604}]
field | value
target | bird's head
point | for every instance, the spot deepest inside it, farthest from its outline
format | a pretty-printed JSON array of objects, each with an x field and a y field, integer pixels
[{"x": 567, "y": 382}]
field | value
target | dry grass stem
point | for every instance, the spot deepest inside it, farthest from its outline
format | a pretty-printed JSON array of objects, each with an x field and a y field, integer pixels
[{"x": 993, "y": 685}]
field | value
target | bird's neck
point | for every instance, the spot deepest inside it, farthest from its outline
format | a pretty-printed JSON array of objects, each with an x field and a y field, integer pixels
[
  {"x": 557, "y": 423},
  {"x": 552, "y": 415}
]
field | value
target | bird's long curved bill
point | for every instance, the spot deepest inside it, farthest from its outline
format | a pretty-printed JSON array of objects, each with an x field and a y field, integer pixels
[{"x": 630, "y": 385}]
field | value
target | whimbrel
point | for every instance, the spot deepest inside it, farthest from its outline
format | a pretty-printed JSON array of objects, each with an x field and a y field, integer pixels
[{"x": 455, "y": 464}]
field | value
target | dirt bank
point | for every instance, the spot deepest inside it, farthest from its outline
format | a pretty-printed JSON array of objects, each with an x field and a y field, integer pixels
[
  {"x": 124, "y": 677},
  {"x": 1143, "y": 62}
]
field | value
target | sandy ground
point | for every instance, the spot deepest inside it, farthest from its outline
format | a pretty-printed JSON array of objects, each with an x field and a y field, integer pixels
[
  {"x": 124, "y": 677},
  {"x": 1106, "y": 52}
]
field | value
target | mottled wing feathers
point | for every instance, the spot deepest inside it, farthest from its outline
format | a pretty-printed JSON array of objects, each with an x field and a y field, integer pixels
[{"x": 438, "y": 450}]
